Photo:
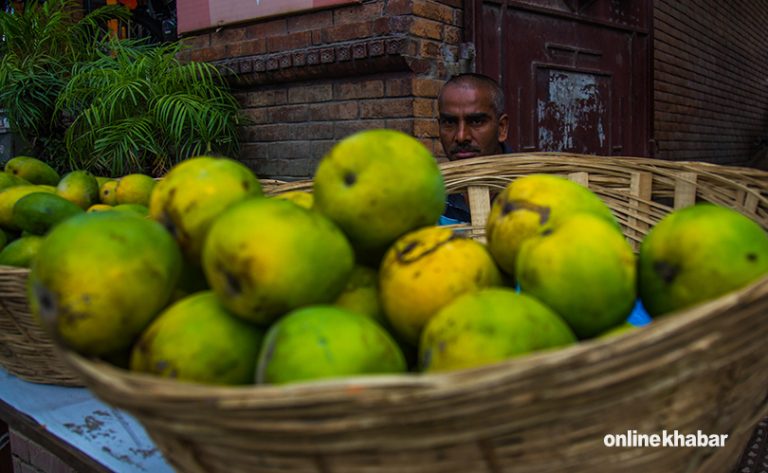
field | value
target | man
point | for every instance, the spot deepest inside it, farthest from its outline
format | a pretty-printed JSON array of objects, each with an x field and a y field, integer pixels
[
  {"x": 472, "y": 123},
  {"x": 471, "y": 117}
]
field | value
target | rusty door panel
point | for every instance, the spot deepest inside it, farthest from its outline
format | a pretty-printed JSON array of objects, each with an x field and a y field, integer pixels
[{"x": 576, "y": 73}]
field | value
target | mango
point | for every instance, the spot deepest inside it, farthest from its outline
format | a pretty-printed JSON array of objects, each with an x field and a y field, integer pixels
[
  {"x": 361, "y": 294},
  {"x": 426, "y": 269},
  {"x": 378, "y": 185},
  {"x": 99, "y": 278},
  {"x": 699, "y": 253},
  {"x": 79, "y": 187},
  {"x": 10, "y": 196},
  {"x": 488, "y": 326},
  {"x": 302, "y": 198},
  {"x": 266, "y": 257},
  {"x": 134, "y": 189},
  {"x": 194, "y": 193},
  {"x": 20, "y": 251},
  {"x": 32, "y": 170},
  {"x": 584, "y": 269},
  {"x": 196, "y": 339},
  {"x": 107, "y": 192},
  {"x": 38, "y": 212},
  {"x": 319, "y": 342},
  {"x": 530, "y": 204},
  {"x": 10, "y": 180}
]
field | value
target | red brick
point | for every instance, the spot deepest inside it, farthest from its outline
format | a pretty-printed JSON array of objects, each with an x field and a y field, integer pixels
[
  {"x": 453, "y": 34},
  {"x": 289, "y": 149},
  {"x": 353, "y": 14},
  {"x": 301, "y": 167},
  {"x": 358, "y": 89},
  {"x": 264, "y": 96},
  {"x": 273, "y": 132},
  {"x": 257, "y": 116},
  {"x": 426, "y": 87},
  {"x": 288, "y": 113},
  {"x": 346, "y": 128},
  {"x": 214, "y": 53},
  {"x": 253, "y": 46},
  {"x": 425, "y": 128},
  {"x": 399, "y": 7},
  {"x": 334, "y": 111},
  {"x": 399, "y": 87},
  {"x": 290, "y": 41},
  {"x": 228, "y": 35},
  {"x": 319, "y": 148},
  {"x": 266, "y": 29},
  {"x": 346, "y": 32},
  {"x": 319, "y": 131},
  {"x": 310, "y": 93},
  {"x": 433, "y": 11},
  {"x": 424, "y": 107},
  {"x": 309, "y": 21},
  {"x": 386, "y": 108},
  {"x": 430, "y": 49},
  {"x": 426, "y": 28},
  {"x": 232, "y": 50},
  {"x": 452, "y": 3},
  {"x": 401, "y": 124}
]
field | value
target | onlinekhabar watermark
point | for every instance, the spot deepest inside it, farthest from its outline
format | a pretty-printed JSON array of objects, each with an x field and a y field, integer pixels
[{"x": 665, "y": 439}]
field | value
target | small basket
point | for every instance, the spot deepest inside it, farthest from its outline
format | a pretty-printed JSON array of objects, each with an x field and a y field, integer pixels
[
  {"x": 704, "y": 369},
  {"x": 26, "y": 350}
]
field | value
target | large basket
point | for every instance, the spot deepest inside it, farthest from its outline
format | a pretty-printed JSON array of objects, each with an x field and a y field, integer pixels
[
  {"x": 26, "y": 350},
  {"x": 702, "y": 370}
]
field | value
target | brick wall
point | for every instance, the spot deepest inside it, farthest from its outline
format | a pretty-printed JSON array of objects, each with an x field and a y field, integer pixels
[
  {"x": 710, "y": 79},
  {"x": 305, "y": 81}
]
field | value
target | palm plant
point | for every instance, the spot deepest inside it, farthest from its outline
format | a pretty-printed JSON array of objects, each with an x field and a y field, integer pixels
[
  {"x": 137, "y": 108},
  {"x": 38, "y": 48}
]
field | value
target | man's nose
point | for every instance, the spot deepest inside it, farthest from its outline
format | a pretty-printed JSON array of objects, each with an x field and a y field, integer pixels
[{"x": 462, "y": 133}]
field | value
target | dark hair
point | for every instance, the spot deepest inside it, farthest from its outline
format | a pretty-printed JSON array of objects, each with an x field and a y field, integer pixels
[{"x": 478, "y": 80}]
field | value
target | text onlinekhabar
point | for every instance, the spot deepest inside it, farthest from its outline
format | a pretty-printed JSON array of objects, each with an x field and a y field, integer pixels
[{"x": 666, "y": 438}]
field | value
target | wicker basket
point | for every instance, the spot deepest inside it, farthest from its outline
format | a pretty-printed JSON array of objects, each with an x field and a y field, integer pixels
[
  {"x": 704, "y": 369},
  {"x": 26, "y": 350}
]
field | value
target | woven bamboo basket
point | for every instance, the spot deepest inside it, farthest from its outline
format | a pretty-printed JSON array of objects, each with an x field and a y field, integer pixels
[
  {"x": 26, "y": 350},
  {"x": 704, "y": 369}
]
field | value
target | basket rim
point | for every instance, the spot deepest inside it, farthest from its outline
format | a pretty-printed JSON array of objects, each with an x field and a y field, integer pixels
[{"x": 413, "y": 383}]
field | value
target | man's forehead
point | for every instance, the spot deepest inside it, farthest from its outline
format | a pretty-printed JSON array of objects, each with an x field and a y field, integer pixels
[{"x": 463, "y": 94}]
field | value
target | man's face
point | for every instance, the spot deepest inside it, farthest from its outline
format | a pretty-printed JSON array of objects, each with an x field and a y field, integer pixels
[{"x": 468, "y": 123}]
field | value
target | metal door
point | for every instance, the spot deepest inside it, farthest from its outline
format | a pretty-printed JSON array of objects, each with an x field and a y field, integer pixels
[{"x": 576, "y": 73}]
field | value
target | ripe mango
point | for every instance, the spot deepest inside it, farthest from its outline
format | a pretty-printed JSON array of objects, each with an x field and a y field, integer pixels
[
  {"x": 532, "y": 203},
  {"x": 79, "y": 187},
  {"x": 487, "y": 326},
  {"x": 377, "y": 185},
  {"x": 194, "y": 193},
  {"x": 361, "y": 294},
  {"x": 99, "y": 278},
  {"x": 426, "y": 269},
  {"x": 303, "y": 198},
  {"x": 197, "y": 339},
  {"x": 38, "y": 212},
  {"x": 266, "y": 257},
  {"x": 584, "y": 269},
  {"x": 699, "y": 253},
  {"x": 134, "y": 189},
  {"x": 107, "y": 194},
  {"x": 325, "y": 342},
  {"x": 32, "y": 170}
]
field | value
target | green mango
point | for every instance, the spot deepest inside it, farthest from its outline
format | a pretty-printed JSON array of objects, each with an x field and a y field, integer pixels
[
  {"x": 33, "y": 170},
  {"x": 197, "y": 339},
  {"x": 21, "y": 251},
  {"x": 38, "y": 212}
]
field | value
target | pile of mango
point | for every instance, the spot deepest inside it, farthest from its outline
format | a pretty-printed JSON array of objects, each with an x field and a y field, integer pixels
[
  {"x": 34, "y": 198},
  {"x": 217, "y": 283}
]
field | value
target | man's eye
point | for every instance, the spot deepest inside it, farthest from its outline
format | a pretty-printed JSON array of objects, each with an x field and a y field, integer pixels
[
  {"x": 477, "y": 121},
  {"x": 447, "y": 121}
]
